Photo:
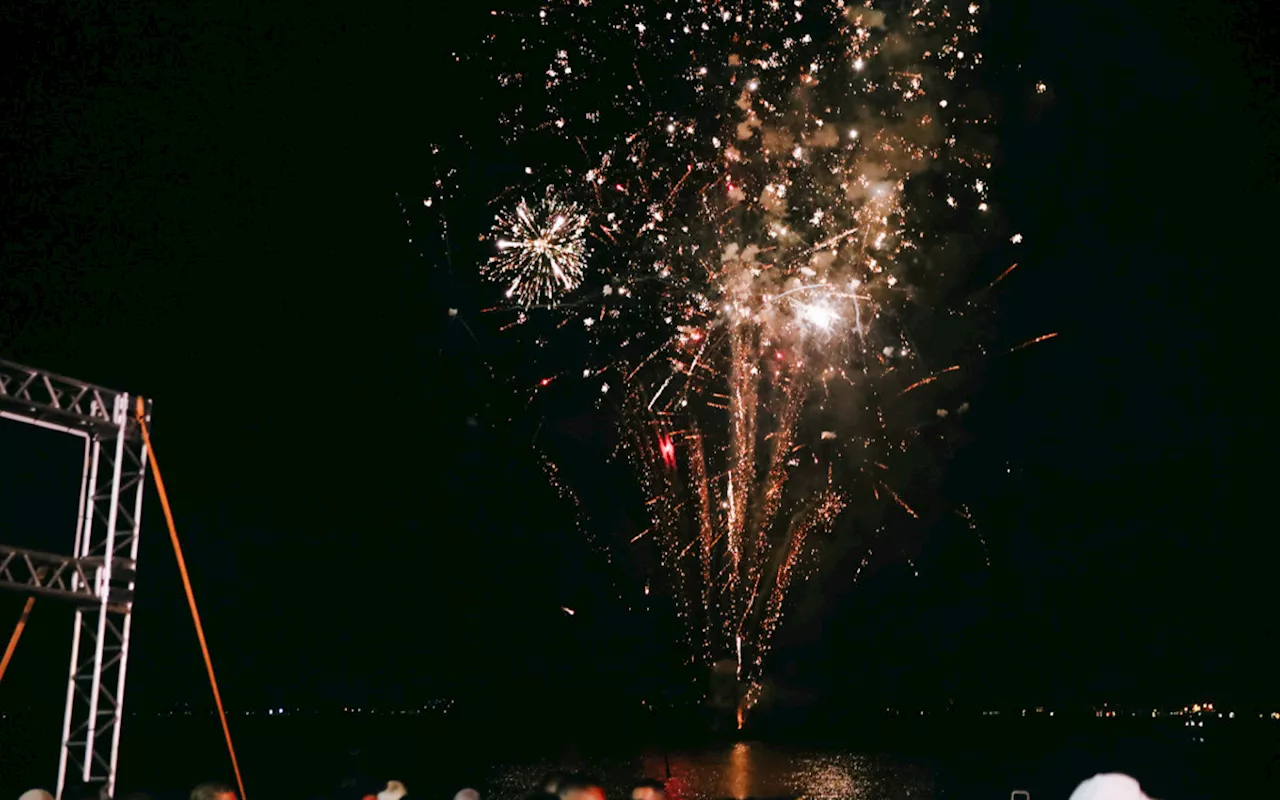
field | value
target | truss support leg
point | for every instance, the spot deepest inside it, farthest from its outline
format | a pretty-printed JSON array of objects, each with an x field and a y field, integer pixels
[
  {"x": 131, "y": 547},
  {"x": 108, "y": 539},
  {"x": 17, "y": 634},
  {"x": 83, "y": 524}
]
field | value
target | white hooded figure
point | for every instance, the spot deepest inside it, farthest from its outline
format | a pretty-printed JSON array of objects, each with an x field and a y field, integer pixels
[
  {"x": 1112, "y": 786},
  {"x": 36, "y": 794},
  {"x": 394, "y": 791},
  {"x": 467, "y": 794}
]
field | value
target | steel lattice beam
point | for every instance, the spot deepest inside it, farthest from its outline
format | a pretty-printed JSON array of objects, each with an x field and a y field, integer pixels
[
  {"x": 46, "y": 574},
  {"x": 101, "y": 572},
  {"x": 42, "y": 398}
]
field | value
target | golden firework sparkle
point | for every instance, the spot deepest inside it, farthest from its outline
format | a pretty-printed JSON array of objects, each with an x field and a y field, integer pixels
[{"x": 542, "y": 250}]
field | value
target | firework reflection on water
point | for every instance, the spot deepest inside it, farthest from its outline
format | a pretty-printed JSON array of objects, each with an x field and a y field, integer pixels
[{"x": 740, "y": 771}]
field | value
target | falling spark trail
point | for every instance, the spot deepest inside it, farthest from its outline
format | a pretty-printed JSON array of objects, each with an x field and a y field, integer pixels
[
  {"x": 929, "y": 380},
  {"x": 1044, "y": 338},
  {"x": 1001, "y": 277},
  {"x": 901, "y": 502}
]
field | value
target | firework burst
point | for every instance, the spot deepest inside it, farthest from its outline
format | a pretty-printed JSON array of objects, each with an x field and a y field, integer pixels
[
  {"x": 770, "y": 186},
  {"x": 542, "y": 250}
]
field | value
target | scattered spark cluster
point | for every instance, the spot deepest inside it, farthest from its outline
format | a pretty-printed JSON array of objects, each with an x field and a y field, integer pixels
[
  {"x": 542, "y": 250},
  {"x": 751, "y": 210}
]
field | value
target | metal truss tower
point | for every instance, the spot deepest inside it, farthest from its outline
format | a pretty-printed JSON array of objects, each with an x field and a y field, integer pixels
[{"x": 99, "y": 575}]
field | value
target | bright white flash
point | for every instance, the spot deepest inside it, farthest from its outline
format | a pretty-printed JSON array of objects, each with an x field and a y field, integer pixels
[{"x": 819, "y": 316}]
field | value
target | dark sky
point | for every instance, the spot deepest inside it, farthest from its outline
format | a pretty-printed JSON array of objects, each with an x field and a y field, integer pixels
[{"x": 200, "y": 204}]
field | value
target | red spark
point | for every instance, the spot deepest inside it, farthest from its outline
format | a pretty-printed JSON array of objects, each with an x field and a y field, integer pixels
[{"x": 668, "y": 450}]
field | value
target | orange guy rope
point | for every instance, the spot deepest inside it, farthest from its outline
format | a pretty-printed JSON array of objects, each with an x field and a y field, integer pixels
[
  {"x": 17, "y": 634},
  {"x": 186, "y": 583}
]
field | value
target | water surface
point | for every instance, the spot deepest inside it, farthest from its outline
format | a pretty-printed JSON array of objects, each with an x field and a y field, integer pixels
[
  {"x": 742, "y": 770},
  {"x": 348, "y": 758}
]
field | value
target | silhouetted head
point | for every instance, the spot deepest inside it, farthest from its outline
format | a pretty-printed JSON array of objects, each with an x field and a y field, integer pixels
[
  {"x": 649, "y": 790},
  {"x": 395, "y": 790},
  {"x": 94, "y": 790},
  {"x": 550, "y": 783},
  {"x": 1109, "y": 786},
  {"x": 213, "y": 791},
  {"x": 581, "y": 787}
]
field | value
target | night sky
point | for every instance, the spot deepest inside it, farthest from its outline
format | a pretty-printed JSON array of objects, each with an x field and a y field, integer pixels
[{"x": 204, "y": 206}]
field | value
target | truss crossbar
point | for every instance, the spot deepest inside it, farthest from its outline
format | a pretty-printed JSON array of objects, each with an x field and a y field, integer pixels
[
  {"x": 47, "y": 574},
  {"x": 36, "y": 396},
  {"x": 100, "y": 574}
]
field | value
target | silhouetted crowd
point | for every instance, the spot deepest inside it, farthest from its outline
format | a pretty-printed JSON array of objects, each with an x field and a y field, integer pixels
[
  {"x": 565, "y": 786},
  {"x": 555, "y": 786}
]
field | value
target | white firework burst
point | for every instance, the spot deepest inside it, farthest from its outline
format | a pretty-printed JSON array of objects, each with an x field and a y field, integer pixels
[{"x": 542, "y": 250}]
